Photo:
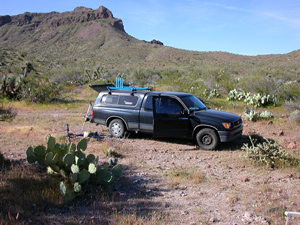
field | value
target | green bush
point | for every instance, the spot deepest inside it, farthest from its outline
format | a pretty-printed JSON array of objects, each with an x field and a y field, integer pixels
[
  {"x": 289, "y": 90},
  {"x": 7, "y": 113},
  {"x": 295, "y": 116},
  {"x": 39, "y": 88}
]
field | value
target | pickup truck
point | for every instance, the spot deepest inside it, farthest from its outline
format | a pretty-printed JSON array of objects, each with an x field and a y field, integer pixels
[{"x": 164, "y": 114}]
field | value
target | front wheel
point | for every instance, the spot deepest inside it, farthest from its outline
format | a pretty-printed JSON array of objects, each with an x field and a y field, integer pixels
[
  {"x": 207, "y": 139},
  {"x": 117, "y": 128}
]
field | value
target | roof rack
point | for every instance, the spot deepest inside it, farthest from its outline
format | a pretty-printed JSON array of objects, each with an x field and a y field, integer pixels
[{"x": 120, "y": 86}]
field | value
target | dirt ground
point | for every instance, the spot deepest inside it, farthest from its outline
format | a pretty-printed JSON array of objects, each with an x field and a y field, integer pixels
[{"x": 171, "y": 179}]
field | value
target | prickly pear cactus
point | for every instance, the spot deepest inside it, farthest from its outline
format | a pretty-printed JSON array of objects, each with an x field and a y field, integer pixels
[{"x": 71, "y": 162}]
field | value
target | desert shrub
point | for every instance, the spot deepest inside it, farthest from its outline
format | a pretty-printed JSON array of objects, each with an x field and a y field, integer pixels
[
  {"x": 226, "y": 80},
  {"x": 292, "y": 105},
  {"x": 142, "y": 77},
  {"x": 74, "y": 78},
  {"x": 7, "y": 113},
  {"x": 268, "y": 152},
  {"x": 40, "y": 88},
  {"x": 261, "y": 82},
  {"x": 10, "y": 86},
  {"x": 295, "y": 116},
  {"x": 289, "y": 90}
]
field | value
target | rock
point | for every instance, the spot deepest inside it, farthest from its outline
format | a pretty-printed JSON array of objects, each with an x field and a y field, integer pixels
[
  {"x": 156, "y": 42},
  {"x": 245, "y": 179},
  {"x": 214, "y": 220},
  {"x": 292, "y": 145},
  {"x": 165, "y": 205},
  {"x": 248, "y": 216},
  {"x": 281, "y": 133}
]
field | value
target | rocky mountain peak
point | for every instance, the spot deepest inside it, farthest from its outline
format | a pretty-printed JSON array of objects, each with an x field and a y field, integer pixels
[{"x": 54, "y": 19}]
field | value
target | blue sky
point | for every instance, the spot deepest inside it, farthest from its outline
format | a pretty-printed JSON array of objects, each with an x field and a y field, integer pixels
[{"x": 246, "y": 27}]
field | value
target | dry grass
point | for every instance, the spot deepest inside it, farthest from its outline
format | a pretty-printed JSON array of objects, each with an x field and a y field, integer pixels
[
  {"x": 25, "y": 187},
  {"x": 182, "y": 175}
]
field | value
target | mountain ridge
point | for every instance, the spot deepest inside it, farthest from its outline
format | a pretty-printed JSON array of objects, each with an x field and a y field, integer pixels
[{"x": 51, "y": 20}]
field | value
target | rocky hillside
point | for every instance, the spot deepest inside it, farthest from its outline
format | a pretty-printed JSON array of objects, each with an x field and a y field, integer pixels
[
  {"x": 69, "y": 33},
  {"x": 33, "y": 21},
  {"x": 86, "y": 37}
]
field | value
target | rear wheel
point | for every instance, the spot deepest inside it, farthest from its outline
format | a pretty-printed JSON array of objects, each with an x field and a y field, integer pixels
[
  {"x": 117, "y": 128},
  {"x": 207, "y": 139}
]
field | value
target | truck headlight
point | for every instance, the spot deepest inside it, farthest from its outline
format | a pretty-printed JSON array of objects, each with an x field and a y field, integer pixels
[{"x": 227, "y": 125}]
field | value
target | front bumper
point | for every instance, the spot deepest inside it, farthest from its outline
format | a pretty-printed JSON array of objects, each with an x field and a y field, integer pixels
[{"x": 230, "y": 135}]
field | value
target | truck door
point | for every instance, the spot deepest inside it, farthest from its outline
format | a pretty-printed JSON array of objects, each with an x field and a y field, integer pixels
[
  {"x": 170, "y": 118},
  {"x": 146, "y": 115}
]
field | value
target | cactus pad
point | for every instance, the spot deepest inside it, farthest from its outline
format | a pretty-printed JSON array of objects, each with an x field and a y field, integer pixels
[
  {"x": 116, "y": 170},
  {"x": 84, "y": 175},
  {"x": 29, "y": 151},
  {"x": 48, "y": 158},
  {"x": 90, "y": 158},
  {"x": 82, "y": 144},
  {"x": 77, "y": 187},
  {"x": 72, "y": 148},
  {"x": 69, "y": 159},
  {"x": 50, "y": 142},
  {"x": 75, "y": 168},
  {"x": 31, "y": 159},
  {"x": 39, "y": 151},
  {"x": 92, "y": 168}
]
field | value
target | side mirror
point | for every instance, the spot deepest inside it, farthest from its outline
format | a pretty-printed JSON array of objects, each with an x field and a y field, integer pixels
[{"x": 184, "y": 112}]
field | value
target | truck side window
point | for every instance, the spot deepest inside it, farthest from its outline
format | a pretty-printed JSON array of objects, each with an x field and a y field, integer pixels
[
  {"x": 128, "y": 100},
  {"x": 168, "y": 106},
  {"x": 148, "y": 103},
  {"x": 109, "y": 99}
]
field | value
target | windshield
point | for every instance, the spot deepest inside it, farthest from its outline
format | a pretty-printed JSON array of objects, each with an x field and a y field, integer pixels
[{"x": 193, "y": 103}]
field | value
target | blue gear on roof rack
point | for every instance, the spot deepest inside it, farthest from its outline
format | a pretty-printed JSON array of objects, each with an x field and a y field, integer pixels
[{"x": 120, "y": 86}]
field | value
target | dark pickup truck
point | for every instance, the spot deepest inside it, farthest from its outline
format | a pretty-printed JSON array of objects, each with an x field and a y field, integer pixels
[{"x": 164, "y": 114}]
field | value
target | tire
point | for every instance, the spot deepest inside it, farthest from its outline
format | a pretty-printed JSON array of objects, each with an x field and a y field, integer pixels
[
  {"x": 207, "y": 139},
  {"x": 117, "y": 128}
]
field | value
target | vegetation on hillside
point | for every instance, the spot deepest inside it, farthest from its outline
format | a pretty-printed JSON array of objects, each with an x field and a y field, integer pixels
[{"x": 64, "y": 49}]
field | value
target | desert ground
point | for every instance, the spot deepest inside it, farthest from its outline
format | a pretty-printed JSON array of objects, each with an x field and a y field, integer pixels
[{"x": 164, "y": 181}]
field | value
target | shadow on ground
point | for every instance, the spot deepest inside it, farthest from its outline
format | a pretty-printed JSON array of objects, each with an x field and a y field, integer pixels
[
  {"x": 232, "y": 146},
  {"x": 30, "y": 195}
]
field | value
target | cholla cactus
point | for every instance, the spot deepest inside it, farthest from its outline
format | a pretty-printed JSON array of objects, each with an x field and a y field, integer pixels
[{"x": 268, "y": 152}]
